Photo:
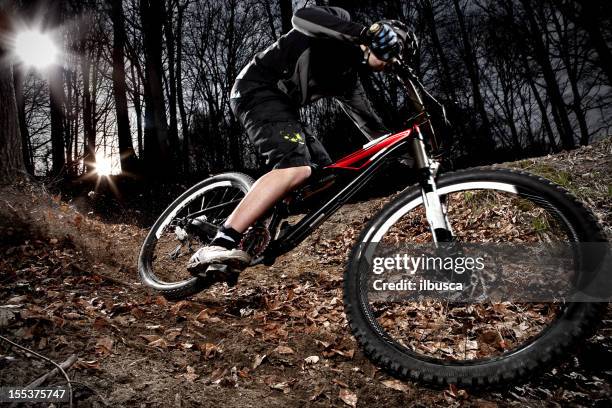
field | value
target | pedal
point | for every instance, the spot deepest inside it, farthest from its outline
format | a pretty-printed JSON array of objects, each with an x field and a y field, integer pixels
[
  {"x": 232, "y": 278},
  {"x": 221, "y": 273}
]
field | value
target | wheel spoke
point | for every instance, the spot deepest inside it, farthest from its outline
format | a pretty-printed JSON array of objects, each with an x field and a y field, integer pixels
[
  {"x": 167, "y": 259},
  {"x": 475, "y": 216}
]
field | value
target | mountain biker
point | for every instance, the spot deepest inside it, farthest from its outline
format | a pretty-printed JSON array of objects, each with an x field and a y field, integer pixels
[{"x": 321, "y": 57}]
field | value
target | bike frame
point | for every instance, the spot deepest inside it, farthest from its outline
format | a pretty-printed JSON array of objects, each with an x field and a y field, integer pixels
[{"x": 364, "y": 163}]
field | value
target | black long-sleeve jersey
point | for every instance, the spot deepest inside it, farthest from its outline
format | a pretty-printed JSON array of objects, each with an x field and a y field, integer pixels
[{"x": 319, "y": 57}]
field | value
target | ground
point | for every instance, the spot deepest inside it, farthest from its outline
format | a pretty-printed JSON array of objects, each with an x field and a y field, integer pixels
[{"x": 279, "y": 338}]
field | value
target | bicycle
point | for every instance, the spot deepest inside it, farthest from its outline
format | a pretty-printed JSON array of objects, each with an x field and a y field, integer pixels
[{"x": 441, "y": 340}]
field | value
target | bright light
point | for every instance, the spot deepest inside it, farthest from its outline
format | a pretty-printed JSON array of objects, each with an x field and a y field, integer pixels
[
  {"x": 36, "y": 49},
  {"x": 104, "y": 166}
]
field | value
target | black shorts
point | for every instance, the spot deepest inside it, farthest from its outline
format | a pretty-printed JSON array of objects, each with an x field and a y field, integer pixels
[{"x": 273, "y": 125}]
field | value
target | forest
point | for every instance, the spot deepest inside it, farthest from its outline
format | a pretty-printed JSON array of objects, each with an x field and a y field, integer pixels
[
  {"x": 109, "y": 109},
  {"x": 141, "y": 88}
]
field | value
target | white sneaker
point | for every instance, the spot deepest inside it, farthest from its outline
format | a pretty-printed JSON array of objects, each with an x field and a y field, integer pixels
[{"x": 205, "y": 256}]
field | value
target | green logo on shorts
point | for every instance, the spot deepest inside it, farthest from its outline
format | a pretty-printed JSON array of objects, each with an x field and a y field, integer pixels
[{"x": 295, "y": 138}]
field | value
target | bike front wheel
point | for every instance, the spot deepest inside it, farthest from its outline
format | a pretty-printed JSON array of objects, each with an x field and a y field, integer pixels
[{"x": 445, "y": 340}]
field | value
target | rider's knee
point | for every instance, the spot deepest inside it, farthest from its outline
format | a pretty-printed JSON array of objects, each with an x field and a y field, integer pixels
[
  {"x": 295, "y": 175},
  {"x": 303, "y": 172},
  {"x": 300, "y": 174}
]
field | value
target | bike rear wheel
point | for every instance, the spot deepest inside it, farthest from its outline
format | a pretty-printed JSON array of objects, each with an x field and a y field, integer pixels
[
  {"x": 190, "y": 222},
  {"x": 445, "y": 341}
]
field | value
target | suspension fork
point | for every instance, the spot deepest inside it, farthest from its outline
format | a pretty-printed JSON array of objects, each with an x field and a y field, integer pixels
[{"x": 435, "y": 209}]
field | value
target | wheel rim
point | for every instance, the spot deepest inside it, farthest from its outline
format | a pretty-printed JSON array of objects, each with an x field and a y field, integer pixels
[
  {"x": 177, "y": 237},
  {"x": 433, "y": 326}
]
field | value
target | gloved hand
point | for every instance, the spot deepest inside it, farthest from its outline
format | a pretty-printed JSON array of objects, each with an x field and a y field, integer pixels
[{"x": 383, "y": 41}]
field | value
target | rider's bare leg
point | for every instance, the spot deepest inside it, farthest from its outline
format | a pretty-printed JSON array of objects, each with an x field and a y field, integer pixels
[{"x": 266, "y": 191}]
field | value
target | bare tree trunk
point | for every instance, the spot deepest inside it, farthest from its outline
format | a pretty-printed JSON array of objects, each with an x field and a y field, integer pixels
[
  {"x": 266, "y": 4},
  {"x": 526, "y": 117},
  {"x": 172, "y": 88},
  {"x": 11, "y": 155},
  {"x": 286, "y": 11},
  {"x": 572, "y": 76},
  {"x": 472, "y": 68},
  {"x": 179, "y": 88},
  {"x": 56, "y": 98},
  {"x": 137, "y": 109},
  {"x": 599, "y": 44},
  {"x": 427, "y": 8},
  {"x": 543, "y": 110},
  {"x": 25, "y": 134},
  {"x": 88, "y": 127},
  {"x": 68, "y": 119},
  {"x": 77, "y": 130},
  {"x": 588, "y": 15},
  {"x": 126, "y": 148},
  {"x": 157, "y": 153},
  {"x": 234, "y": 128},
  {"x": 541, "y": 54}
]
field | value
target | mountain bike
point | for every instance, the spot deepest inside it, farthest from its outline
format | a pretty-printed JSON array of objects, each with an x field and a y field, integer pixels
[{"x": 437, "y": 340}]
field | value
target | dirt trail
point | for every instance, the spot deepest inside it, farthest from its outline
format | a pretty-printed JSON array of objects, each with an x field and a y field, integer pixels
[{"x": 279, "y": 338}]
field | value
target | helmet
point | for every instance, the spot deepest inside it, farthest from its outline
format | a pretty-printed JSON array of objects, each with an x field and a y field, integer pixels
[{"x": 408, "y": 42}]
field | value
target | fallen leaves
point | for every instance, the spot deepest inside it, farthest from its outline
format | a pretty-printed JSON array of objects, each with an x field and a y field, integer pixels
[
  {"x": 348, "y": 397},
  {"x": 104, "y": 346},
  {"x": 277, "y": 383},
  {"x": 338, "y": 347},
  {"x": 159, "y": 343},
  {"x": 88, "y": 365},
  {"x": 150, "y": 337},
  {"x": 190, "y": 374},
  {"x": 335, "y": 251},
  {"x": 312, "y": 359},
  {"x": 258, "y": 360},
  {"x": 6, "y": 317},
  {"x": 396, "y": 385},
  {"x": 248, "y": 331},
  {"x": 100, "y": 323},
  {"x": 284, "y": 350},
  {"x": 172, "y": 334},
  {"x": 229, "y": 381},
  {"x": 210, "y": 350},
  {"x": 255, "y": 318},
  {"x": 282, "y": 386},
  {"x": 176, "y": 308},
  {"x": 456, "y": 393},
  {"x": 205, "y": 316},
  {"x": 317, "y": 394},
  {"x": 340, "y": 383},
  {"x": 161, "y": 301}
]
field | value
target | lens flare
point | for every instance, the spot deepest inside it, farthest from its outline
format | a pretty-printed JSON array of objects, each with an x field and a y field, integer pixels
[
  {"x": 36, "y": 49},
  {"x": 104, "y": 166}
]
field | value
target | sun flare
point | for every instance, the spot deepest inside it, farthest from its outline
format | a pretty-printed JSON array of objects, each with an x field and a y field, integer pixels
[
  {"x": 36, "y": 49},
  {"x": 104, "y": 166}
]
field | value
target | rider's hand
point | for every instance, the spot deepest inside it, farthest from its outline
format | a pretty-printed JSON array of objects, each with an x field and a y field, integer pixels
[
  {"x": 373, "y": 61},
  {"x": 383, "y": 41}
]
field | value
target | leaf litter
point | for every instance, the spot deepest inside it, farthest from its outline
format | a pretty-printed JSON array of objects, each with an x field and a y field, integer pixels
[{"x": 59, "y": 299}]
